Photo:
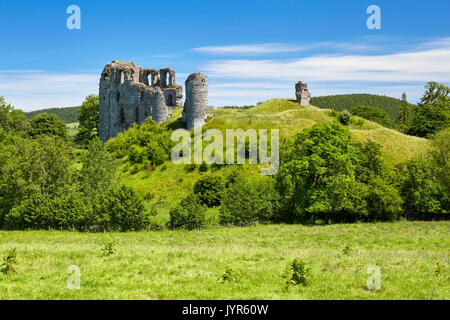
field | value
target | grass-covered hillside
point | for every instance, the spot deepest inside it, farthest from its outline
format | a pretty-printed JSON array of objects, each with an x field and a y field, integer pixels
[
  {"x": 166, "y": 185},
  {"x": 348, "y": 101}
]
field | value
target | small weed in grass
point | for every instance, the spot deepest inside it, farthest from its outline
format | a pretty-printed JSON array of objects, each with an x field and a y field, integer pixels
[
  {"x": 438, "y": 270},
  {"x": 109, "y": 249},
  {"x": 296, "y": 273},
  {"x": 347, "y": 249},
  {"x": 9, "y": 262},
  {"x": 228, "y": 276}
]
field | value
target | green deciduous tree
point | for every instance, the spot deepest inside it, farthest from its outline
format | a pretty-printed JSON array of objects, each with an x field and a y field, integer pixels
[
  {"x": 249, "y": 201},
  {"x": 440, "y": 158},
  {"x": 209, "y": 189},
  {"x": 11, "y": 119},
  {"x": 88, "y": 120},
  {"x": 433, "y": 111},
  {"x": 29, "y": 166},
  {"x": 46, "y": 124},
  {"x": 423, "y": 196},
  {"x": 324, "y": 175},
  {"x": 98, "y": 170},
  {"x": 189, "y": 214},
  {"x": 403, "y": 115}
]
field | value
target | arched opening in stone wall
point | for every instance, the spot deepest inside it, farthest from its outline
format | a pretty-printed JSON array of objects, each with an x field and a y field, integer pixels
[
  {"x": 118, "y": 96},
  {"x": 168, "y": 80},
  {"x": 136, "y": 115}
]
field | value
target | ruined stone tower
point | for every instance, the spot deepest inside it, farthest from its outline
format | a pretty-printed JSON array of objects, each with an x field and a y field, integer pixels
[
  {"x": 194, "y": 112},
  {"x": 302, "y": 93},
  {"x": 126, "y": 96}
]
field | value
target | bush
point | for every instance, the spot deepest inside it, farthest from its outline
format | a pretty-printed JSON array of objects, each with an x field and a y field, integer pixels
[
  {"x": 209, "y": 189},
  {"x": 65, "y": 211},
  {"x": 47, "y": 124},
  {"x": 88, "y": 119},
  {"x": 9, "y": 262},
  {"x": 120, "y": 209},
  {"x": 383, "y": 201},
  {"x": 249, "y": 201},
  {"x": 296, "y": 273},
  {"x": 189, "y": 214},
  {"x": 423, "y": 196},
  {"x": 345, "y": 117},
  {"x": 204, "y": 167},
  {"x": 97, "y": 173},
  {"x": 141, "y": 143}
]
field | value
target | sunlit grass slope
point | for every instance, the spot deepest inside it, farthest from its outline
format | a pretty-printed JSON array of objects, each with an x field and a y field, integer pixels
[{"x": 169, "y": 183}]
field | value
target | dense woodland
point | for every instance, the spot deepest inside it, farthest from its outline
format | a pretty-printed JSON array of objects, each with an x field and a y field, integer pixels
[
  {"x": 68, "y": 115},
  {"x": 50, "y": 180}
]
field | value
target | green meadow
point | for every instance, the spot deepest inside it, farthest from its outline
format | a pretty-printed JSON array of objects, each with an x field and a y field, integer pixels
[{"x": 413, "y": 258}]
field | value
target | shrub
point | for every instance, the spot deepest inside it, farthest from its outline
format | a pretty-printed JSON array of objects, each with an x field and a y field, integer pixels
[
  {"x": 98, "y": 170},
  {"x": 145, "y": 142},
  {"x": 109, "y": 249},
  {"x": 120, "y": 209},
  {"x": 9, "y": 262},
  {"x": 345, "y": 117},
  {"x": 47, "y": 124},
  {"x": 203, "y": 167},
  {"x": 209, "y": 189},
  {"x": 383, "y": 201},
  {"x": 88, "y": 119},
  {"x": 189, "y": 214},
  {"x": 229, "y": 275},
  {"x": 65, "y": 211},
  {"x": 423, "y": 196},
  {"x": 249, "y": 201},
  {"x": 296, "y": 273}
]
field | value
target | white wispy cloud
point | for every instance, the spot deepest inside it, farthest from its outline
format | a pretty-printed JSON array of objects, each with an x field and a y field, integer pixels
[
  {"x": 250, "y": 49},
  {"x": 35, "y": 89},
  {"x": 388, "y": 74},
  {"x": 271, "y": 48},
  {"x": 413, "y": 66}
]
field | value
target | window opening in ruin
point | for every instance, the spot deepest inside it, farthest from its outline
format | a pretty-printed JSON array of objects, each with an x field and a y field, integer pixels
[
  {"x": 170, "y": 99},
  {"x": 118, "y": 96},
  {"x": 104, "y": 76},
  {"x": 122, "y": 116},
  {"x": 168, "y": 80}
]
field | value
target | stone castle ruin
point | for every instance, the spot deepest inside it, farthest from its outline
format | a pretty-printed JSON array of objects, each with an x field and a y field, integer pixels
[
  {"x": 131, "y": 94},
  {"x": 302, "y": 93}
]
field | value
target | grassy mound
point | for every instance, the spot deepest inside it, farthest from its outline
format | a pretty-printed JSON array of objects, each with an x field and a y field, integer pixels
[{"x": 166, "y": 185}]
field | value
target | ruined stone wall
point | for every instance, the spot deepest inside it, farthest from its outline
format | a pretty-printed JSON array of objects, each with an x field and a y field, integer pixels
[
  {"x": 194, "y": 112},
  {"x": 302, "y": 93},
  {"x": 160, "y": 110},
  {"x": 126, "y": 96}
]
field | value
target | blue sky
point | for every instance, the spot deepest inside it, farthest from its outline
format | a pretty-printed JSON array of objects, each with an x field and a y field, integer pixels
[{"x": 250, "y": 50}]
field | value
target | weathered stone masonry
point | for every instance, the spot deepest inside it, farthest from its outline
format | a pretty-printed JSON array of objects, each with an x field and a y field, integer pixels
[
  {"x": 302, "y": 93},
  {"x": 128, "y": 94}
]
